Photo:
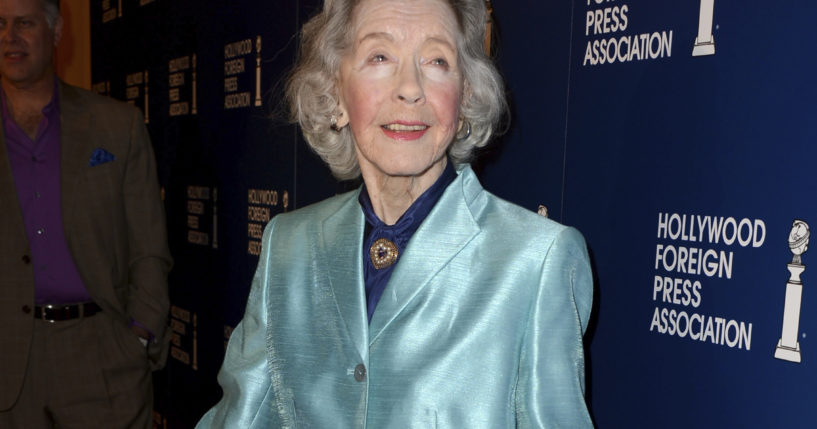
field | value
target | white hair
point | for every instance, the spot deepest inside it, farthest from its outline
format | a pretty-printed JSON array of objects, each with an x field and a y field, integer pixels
[{"x": 312, "y": 86}]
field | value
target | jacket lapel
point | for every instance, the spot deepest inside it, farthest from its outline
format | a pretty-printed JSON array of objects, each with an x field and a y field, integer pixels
[
  {"x": 342, "y": 252},
  {"x": 12, "y": 227},
  {"x": 448, "y": 228},
  {"x": 76, "y": 147},
  {"x": 8, "y": 191}
]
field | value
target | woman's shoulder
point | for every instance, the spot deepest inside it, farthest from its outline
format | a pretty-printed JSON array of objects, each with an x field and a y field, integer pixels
[
  {"x": 493, "y": 213},
  {"x": 502, "y": 221},
  {"x": 517, "y": 222}
]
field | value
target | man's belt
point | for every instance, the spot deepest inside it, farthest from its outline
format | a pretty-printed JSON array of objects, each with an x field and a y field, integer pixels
[{"x": 58, "y": 313}]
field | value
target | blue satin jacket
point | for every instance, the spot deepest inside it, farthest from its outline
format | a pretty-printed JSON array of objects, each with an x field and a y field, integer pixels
[{"x": 480, "y": 325}]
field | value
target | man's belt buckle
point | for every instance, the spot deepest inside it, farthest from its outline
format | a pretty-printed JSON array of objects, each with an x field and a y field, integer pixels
[
  {"x": 65, "y": 309},
  {"x": 44, "y": 313}
]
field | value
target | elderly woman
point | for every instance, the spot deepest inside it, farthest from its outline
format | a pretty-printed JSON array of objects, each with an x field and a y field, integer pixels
[{"x": 419, "y": 300}]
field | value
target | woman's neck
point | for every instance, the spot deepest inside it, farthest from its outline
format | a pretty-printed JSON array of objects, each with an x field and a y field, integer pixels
[{"x": 391, "y": 196}]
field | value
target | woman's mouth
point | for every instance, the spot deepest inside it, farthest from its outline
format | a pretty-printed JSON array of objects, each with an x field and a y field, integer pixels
[{"x": 404, "y": 131}]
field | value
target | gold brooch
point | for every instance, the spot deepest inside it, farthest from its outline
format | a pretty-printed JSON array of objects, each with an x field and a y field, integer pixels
[{"x": 383, "y": 253}]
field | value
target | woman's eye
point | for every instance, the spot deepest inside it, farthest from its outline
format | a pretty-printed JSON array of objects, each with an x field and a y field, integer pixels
[
  {"x": 377, "y": 58},
  {"x": 439, "y": 62}
]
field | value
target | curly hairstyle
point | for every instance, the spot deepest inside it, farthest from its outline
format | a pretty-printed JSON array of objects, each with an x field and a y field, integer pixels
[{"x": 311, "y": 89}]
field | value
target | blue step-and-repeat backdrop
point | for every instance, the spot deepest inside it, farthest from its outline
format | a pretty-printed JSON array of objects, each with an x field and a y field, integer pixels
[
  {"x": 689, "y": 167},
  {"x": 678, "y": 136}
]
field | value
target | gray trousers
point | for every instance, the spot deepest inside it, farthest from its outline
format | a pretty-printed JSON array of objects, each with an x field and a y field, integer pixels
[{"x": 84, "y": 373}]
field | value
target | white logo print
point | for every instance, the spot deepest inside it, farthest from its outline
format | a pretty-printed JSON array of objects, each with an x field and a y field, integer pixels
[
  {"x": 788, "y": 348},
  {"x": 258, "y": 71},
  {"x": 705, "y": 41}
]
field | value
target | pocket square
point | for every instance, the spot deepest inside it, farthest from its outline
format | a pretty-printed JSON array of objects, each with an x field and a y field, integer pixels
[{"x": 100, "y": 156}]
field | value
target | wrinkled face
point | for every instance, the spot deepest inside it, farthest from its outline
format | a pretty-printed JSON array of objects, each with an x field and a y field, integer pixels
[
  {"x": 26, "y": 42},
  {"x": 400, "y": 85}
]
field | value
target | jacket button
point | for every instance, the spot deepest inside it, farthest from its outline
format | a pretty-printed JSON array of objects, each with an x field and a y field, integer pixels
[
  {"x": 26, "y": 259},
  {"x": 360, "y": 372},
  {"x": 26, "y": 309}
]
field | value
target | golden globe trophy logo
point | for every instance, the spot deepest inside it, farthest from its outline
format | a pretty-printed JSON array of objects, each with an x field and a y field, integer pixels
[
  {"x": 257, "y": 71},
  {"x": 788, "y": 348},
  {"x": 705, "y": 41}
]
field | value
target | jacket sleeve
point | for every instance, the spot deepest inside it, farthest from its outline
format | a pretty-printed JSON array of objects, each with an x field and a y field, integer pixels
[
  {"x": 245, "y": 376},
  {"x": 149, "y": 257},
  {"x": 550, "y": 390}
]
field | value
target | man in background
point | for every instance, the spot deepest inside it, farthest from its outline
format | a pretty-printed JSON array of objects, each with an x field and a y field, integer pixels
[{"x": 83, "y": 246}]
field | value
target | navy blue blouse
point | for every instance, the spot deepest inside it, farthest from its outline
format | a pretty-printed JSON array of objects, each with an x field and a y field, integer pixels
[{"x": 399, "y": 234}]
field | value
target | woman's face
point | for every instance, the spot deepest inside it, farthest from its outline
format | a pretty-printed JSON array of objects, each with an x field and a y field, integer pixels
[{"x": 400, "y": 86}]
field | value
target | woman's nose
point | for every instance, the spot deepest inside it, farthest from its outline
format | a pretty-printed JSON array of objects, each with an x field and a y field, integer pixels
[{"x": 410, "y": 87}]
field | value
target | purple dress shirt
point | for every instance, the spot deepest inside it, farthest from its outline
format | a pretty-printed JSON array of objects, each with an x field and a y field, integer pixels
[{"x": 35, "y": 165}]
